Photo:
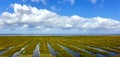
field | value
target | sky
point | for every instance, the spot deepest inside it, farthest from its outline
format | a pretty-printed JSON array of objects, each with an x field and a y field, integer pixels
[{"x": 79, "y": 17}]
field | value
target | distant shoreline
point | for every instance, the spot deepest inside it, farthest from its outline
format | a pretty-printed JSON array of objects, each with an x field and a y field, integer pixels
[{"x": 59, "y": 34}]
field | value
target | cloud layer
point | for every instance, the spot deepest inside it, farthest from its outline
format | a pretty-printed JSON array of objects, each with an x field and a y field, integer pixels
[{"x": 27, "y": 17}]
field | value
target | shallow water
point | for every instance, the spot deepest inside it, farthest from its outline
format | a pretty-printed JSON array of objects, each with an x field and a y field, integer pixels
[
  {"x": 102, "y": 50},
  {"x": 19, "y": 52},
  {"x": 118, "y": 47},
  {"x": 110, "y": 53},
  {"x": 36, "y": 52},
  {"x": 52, "y": 51},
  {"x": 100, "y": 55},
  {"x": 2, "y": 52},
  {"x": 97, "y": 54},
  {"x": 75, "y": 54},
  {"x": 87, "y": 51}
]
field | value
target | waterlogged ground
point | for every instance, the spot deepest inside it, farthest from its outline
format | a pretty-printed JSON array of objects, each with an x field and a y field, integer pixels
[{"x": 59, "y": 46}]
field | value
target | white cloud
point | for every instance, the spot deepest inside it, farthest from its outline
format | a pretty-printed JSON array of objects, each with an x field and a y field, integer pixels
[
  {"x": 25, "y": 26},
  {"x": 44, "y": 2},
  {"x": 38, "y": 27},
  {"x": 27, "y": 17},
  {"x": 68, "y": 25},
  {"x": 1, "y": 22}
]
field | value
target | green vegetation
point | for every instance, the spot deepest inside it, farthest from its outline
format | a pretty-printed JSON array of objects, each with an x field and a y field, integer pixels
[
  {"x": 17, "y": 44},
  {"x": 44, "y": 51},
  {"x": 61, "y": 51},
  {"x": 30, "y": 48},
  {"x": 75, "y": 43}
]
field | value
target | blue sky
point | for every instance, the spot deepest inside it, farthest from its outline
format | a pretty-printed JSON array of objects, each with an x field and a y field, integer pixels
[{"x": 59, "y": 16}]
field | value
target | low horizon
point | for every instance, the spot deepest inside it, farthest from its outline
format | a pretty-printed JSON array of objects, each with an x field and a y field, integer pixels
[{"x": 59, "y": 34}]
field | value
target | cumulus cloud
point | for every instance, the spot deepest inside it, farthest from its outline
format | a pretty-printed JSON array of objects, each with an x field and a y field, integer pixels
[{"x": 27, "y": 17}]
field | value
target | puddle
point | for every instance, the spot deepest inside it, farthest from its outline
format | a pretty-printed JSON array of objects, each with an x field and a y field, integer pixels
[
  {"x": 109, "y": 53},
  {"x": 19, "y": 52},
  {"x": 97, "y": 54},
  {"x": 2, "y": 52},
  {"x": 52, "y": 51},
  {"x": 87, "y": 51},
  {"x": 75, "y": 54},
  {"x": 36, "y": 52},
  {"x": 118, "y": 47},
  {"x": 100, "y": 55}
]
